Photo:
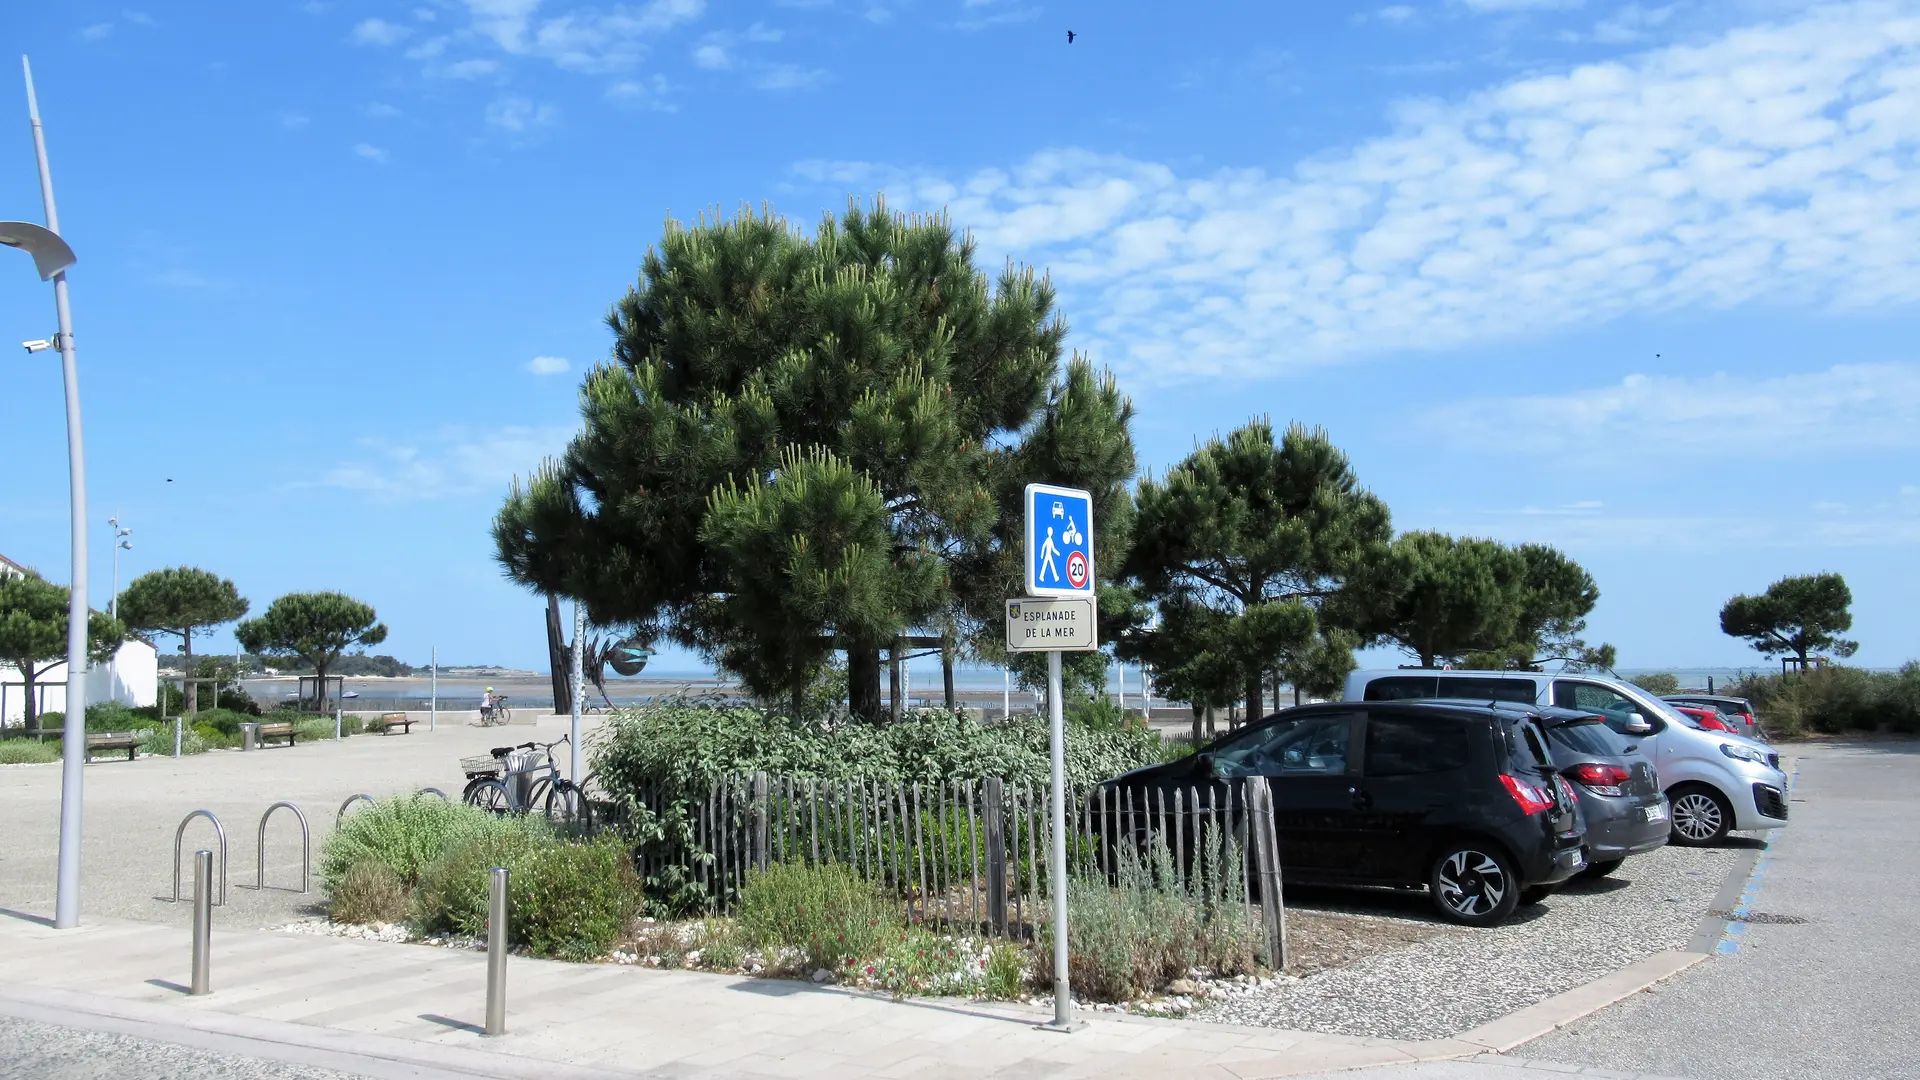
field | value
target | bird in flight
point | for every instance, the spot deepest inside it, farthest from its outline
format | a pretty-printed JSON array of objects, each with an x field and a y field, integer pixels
[{"x": 1070, "y": 36}]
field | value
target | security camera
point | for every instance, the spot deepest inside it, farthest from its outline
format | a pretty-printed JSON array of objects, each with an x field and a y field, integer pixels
[{"x": 37, "y": 346}]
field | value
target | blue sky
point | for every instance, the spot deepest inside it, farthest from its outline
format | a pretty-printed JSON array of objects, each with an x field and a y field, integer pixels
[{"x": 1639, "y": 280}]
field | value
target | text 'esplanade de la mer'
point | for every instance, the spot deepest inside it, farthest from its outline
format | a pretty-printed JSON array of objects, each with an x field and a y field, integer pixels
[{"x": 1055, "y": 615}]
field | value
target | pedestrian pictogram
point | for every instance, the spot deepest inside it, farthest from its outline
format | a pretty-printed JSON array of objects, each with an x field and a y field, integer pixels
[{"x": 1059, "y": 556}]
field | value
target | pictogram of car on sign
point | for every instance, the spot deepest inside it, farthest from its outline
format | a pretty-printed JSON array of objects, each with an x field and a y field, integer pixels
[{"x": 1077, "y": 570}]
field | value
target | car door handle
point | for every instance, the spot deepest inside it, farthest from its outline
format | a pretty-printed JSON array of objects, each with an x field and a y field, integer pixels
[{"x": 1361, "y": 800}]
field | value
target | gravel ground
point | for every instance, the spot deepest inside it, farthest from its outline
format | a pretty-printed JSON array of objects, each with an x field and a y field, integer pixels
[
  {"x": 30, "y": 1049},
  {"x": 1455, "y": 981}
]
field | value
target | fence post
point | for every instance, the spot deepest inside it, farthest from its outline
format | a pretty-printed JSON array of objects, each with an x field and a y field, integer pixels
[
  {"x": 1266, "y": 861},
  {"x": 760, "y": 821},
  {"x": 995, "y": 812}
]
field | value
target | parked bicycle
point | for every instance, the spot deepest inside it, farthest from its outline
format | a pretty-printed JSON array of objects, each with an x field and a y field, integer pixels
[{"x": 525, "y": 778}]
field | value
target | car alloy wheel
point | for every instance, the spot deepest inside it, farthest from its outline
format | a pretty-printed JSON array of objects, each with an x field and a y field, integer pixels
[
  {"x": 1698, "y": 818},
  {"x": 1472, "y": 884}
]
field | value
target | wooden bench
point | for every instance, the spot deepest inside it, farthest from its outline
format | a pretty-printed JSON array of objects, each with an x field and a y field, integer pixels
[
  {"x": 275, "y": 731},
  {"x": 112, "y": 740},
  {"x": 389, "y": 721}
]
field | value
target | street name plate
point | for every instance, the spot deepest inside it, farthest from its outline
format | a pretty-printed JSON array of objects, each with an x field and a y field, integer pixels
[{"x": 1041, "y": 625}]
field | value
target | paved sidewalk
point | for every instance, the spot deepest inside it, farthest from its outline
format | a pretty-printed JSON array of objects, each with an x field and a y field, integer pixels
[{"x": 419, "y": 1007}]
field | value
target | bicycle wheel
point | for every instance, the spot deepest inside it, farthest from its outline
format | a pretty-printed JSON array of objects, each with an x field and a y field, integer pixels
[
  {"x": 566, "y": 807},
  {"x": 490, "y": 795},
  {"x": 502, "y": 716}
]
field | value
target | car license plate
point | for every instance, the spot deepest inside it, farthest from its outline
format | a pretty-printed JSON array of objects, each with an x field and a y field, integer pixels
[{"x": 1656, "y": 813}]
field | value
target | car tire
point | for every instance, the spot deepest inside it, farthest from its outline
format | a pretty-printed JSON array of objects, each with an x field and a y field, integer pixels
[
  {"x": 1701, "y": 815},
  {"x": 1533, "y": 894},
  {"x": 1601, "y": 868},
  {"x": 1473, "y": 883}
]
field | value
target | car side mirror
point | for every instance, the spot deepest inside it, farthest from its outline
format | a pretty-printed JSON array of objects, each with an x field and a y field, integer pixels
[
  {"x": 1637, "y": 724},
  {"x": 1203, "y": 764}
]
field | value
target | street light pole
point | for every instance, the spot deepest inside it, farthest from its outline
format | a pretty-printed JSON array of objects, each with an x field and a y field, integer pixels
[
  {"x": 120, "y": 543},
  {"x": 66, "y": 910}
]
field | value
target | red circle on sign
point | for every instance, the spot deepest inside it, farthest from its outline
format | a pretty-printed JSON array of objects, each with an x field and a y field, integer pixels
[{"x": 1077, "y": 570}]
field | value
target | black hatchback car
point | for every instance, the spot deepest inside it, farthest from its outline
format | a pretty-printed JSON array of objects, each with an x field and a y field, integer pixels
[{"x": 1461, "y": 799}]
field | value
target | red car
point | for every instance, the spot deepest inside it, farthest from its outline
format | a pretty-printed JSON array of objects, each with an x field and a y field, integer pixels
[{"x": 1706, "y": 719}]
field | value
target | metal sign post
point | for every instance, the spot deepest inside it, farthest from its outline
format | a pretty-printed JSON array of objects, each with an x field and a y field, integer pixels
[{"x": 1059, "y": 614}]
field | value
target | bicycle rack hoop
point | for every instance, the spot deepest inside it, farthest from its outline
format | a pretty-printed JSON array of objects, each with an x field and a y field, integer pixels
[
  {"x": 180, "y": 834},
  {"x": 341, "y": 815},
  {"x": 306, "y": 847}
]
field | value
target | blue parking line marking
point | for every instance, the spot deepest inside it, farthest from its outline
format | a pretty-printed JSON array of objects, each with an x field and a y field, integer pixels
[{"x": 1736, "y": 928}]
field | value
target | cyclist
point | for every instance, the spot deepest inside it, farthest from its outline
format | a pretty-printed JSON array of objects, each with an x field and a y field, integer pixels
[{"x": 487, "y": 702}]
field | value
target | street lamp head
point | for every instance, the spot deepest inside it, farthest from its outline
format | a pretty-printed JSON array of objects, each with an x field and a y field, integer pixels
[
  {"x": 41, "y": 345},
  {"x": 50, "y": 254}
]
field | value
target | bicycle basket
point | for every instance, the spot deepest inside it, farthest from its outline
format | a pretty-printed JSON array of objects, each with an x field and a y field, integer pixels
[{"x": 482, "y": 765}]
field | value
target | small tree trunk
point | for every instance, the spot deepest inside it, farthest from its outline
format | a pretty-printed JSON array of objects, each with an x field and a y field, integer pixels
[
  {"x": 895, "y": 706},
  {"x": 1426, "y": 659},
  {"x": 559, "y": 664},
  {"x": 1256, "y": 689},
  {"x": 29, "y": 679},
  {"x": 320, "y": 686},
  {"x": 946, "y": 673},
  {"x": 863, "y": 681},
  {"x": 186, "y": 665},
  {"x": 1198, "y": 715}
]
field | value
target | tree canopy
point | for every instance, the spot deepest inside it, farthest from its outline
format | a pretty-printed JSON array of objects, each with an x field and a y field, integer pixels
[
  {"x": 1795, "y": 615},
  {"x": 316, "y": 627},
  {"x": 1466, "y": 600},
  {"x": 33, "y": 632},
  {"x": 802, "y": 441},
  {"x": 184, "y": 601},
  {"x": 1249, "y": 546}
]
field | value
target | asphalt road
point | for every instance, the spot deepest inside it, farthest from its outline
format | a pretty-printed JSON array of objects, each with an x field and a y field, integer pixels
[
  {"x": 40, "y": 1051},
  {"x": 1833, "y": 997}
]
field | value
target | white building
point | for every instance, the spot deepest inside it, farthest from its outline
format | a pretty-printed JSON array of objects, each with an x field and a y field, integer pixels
[{"x": 132, "y": 677}]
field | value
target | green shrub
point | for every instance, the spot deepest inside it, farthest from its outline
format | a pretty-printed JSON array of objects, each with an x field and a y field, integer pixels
[
  {"x": 922, "y": 962},
  {"x": 406, "y": 834},
  {"x": 1149, "y": 926},
  {"x": 570, "y": 899},
  {"x": 159, "y": 740},
  {"x": 1658, "y": 682},
  {"x": 113, "y": 716},
  {"x": 828, "y": 912},
  {"x": 368, "y": 892},
  {"x": 318, "y": 728},
  {"x": 28, "y": 752},
  {"x": 225, "y": 721},
  {"x": 212, "y": 738},
  {"x": 1005, "y": 972},
  {"x": 1833, "y": 700}
]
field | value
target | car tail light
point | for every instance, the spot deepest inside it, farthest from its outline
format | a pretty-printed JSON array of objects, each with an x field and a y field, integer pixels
[
  {"x": 1532, "y": 798},
  {"x": 1600, "y": 779},
  {"x": 1714, "y": 723}
]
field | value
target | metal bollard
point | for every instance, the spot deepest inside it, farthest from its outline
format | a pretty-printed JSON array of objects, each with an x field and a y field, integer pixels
[
  {"x": 202, "y": 920},
  {"x": 497, "y": 953}
]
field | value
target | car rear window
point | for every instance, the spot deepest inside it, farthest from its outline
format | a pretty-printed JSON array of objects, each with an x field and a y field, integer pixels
[
  {"x": 1585, "y": 737},
  {"x": 1526, "y": 753},
  {"x": 1403, "y": 688}
]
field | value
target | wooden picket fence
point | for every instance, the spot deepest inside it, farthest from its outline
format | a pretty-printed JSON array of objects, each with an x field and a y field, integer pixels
[{"x": 975, "y": 854}]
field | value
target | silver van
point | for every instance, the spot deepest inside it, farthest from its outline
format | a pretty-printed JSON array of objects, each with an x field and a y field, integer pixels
[{"x": 1716, "y": 782}]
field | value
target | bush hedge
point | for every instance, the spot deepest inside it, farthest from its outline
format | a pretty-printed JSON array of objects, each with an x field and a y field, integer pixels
[
  {"x": 829, "y": 913},
  {"x": 28, "y": 752},
  {"x": 681, "y": 747},
  {"x": 1834, "y": 699}
]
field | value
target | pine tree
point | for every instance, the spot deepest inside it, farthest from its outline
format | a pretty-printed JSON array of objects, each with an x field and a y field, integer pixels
[{"x": 772, "y": 397}]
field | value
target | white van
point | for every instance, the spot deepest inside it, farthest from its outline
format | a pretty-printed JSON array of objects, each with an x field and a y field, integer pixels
[{"x": 1715, "y": 781}]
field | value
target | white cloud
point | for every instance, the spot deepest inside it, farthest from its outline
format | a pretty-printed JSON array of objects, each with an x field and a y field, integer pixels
[
  {"x": 96, "y": 31},
  {"x": 1520, "y": 5},
  {"x": 1395, "y": 13},
  {"x": 584, "y": 39},
  {"x": 290, "y": 121},
  {"x": 467, "y": 69},
  {"x": 1774, "y": 164},
  {"x": 712, "y": 56},
  {"x": 763, "y": 34},
  {"x": 648, "y": 93},
  {"x": 1631, "y": 23},
  {"x": 788, "y": 77},
  {"x": 380, "y": 110},
  {"x": 455, "y": 462},
  {"x": 517, "y": 114},
  {"x": 138, "y": 18},
  {"x": 1848, "y": 408},
  {"x": 370, "y": 152},
  {"x": 379, "y": 32},
  {"x": 549, "y": 365}
]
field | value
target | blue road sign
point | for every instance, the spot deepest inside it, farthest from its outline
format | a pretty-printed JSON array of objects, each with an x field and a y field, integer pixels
[{"x": 1059, "y": 542}]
